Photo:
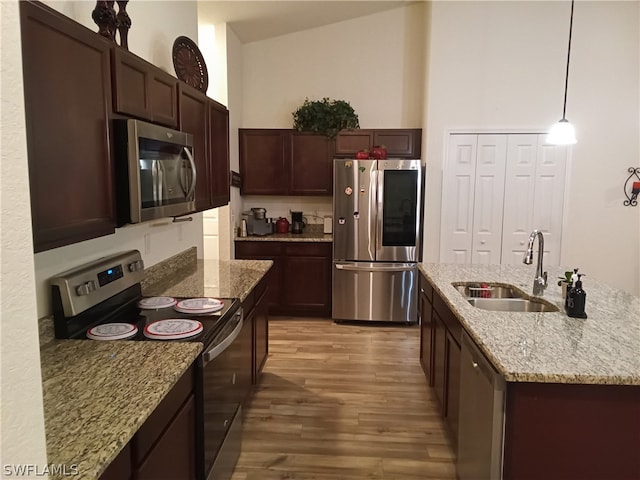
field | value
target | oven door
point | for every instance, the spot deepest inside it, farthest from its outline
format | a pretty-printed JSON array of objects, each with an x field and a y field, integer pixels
[{"x": 226, "y": 380}]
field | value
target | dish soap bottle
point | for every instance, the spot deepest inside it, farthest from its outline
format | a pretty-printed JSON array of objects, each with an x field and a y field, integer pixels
[{"x": 576, "y": 300}]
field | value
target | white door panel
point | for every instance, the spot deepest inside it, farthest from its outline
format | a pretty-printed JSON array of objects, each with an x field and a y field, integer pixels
[
  {"x": 457, "y": 206},
  {"x": 496, "y": 190},
  {"x": 489, "y": 198}
]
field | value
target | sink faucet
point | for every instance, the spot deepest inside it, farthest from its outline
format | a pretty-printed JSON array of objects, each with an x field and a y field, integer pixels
[{"x": 540, "y": 280}]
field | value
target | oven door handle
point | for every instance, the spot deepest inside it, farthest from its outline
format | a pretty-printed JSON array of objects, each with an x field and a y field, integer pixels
[{"x": 209, "y": 355}]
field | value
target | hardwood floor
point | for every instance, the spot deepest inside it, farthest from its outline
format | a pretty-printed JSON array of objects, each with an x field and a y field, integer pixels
[{"x": 343, "y": 401}]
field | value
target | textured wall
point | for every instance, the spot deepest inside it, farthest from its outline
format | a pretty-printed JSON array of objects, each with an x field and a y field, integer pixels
[
  {"x": 22, "y": 422},
  {"x": 497, "y": 65}
]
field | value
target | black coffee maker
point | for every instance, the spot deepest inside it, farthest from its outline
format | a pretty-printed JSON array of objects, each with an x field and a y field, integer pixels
[{"x": 297, "y": 223}]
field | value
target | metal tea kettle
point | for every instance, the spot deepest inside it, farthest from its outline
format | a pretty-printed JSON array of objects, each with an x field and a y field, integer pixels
[{"x": 282, "y": 225}]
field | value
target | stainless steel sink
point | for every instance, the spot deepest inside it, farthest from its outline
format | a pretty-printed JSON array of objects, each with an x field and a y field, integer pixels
[
  {"x": 502, "y": 298},
  {"x": 487, "y": 290},
  {"x": 512, "y": 305}
]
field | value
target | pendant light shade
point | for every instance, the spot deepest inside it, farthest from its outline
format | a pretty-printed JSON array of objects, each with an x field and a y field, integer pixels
[{"x": 563, "y": 133}]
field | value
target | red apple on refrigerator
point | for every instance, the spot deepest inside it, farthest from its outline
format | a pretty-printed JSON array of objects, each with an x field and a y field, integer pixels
[{"x": 362, "y": 154}]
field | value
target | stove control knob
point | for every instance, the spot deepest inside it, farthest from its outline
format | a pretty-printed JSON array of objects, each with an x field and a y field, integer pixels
[
  {"x": 136, "y": 266},
  {"x": 86, "y": 288}
]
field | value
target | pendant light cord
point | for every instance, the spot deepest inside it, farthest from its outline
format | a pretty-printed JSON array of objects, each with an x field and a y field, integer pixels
[{"x": 566, "y": 78}]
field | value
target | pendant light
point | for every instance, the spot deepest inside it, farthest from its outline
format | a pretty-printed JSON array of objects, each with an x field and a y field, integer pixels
[{"x": 563, "y": 133}]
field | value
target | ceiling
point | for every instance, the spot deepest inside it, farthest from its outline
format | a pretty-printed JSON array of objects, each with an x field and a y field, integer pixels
[{"x": 257, "y": 20}]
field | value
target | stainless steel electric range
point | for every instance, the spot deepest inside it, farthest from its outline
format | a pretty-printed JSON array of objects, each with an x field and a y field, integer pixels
[{"x": 102, "y": 300}]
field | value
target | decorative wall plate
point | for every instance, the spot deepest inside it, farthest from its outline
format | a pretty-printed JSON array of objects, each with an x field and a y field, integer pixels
[{"x": 189, "y": 64}]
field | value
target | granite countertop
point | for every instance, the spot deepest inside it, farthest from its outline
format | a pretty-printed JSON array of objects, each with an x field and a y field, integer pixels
[
  {"x": 548, "y": 347},
  {"x": 98, "y": 394},
  {"x": 311, "y": 233},
  {"x": 212, "y": 278}
]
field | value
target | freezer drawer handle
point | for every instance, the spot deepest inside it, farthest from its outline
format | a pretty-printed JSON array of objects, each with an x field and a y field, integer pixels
[{"x": 377, "y": 268}]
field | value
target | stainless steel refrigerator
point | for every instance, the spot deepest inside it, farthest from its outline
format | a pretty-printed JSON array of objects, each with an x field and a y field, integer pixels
[{"x": 377, "y": 218}]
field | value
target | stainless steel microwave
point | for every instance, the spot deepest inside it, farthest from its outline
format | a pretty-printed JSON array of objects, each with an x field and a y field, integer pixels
[{"x": 155, "y": 171}]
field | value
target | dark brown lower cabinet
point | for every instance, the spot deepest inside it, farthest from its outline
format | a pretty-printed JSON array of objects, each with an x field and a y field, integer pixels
[
  {"x": 174, "y": 452},
  {"x": 300, "y": 279},
  {"x": 257, "y": 314},
  {"x": 553, "y": 431},
  {"x": 165, "y": 445}
]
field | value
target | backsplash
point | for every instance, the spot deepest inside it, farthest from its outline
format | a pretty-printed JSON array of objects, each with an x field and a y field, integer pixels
[{"x": 314, "y": 209}]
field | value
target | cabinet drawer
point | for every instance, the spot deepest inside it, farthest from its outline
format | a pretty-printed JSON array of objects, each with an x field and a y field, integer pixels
[
  {"x": 426, "y": 288},
  {"x": 308, "y": 249},
  {"x": 162, "y": 415},
  {"x": 448, "y": 318},
  {"x": 257, "y": 249}
]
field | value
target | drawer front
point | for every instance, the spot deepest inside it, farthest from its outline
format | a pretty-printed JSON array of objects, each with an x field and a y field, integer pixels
[
  {"x": 257, "y": 249},
  {"x": 448, "y": 318},
  {"x": 308, "y": 249}
]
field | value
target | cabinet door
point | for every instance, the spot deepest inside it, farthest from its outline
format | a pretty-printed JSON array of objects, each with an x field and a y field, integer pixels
[
  {"x": 453, "y": 384},
  {"x": 458, "y": 191},
  {"x": 488, "y": 200},
  {"x": 219, "y": 153},
  {"x": 426, "y": 330},
  {"x": 348, "y": 142},
  {"x": 399, "y": 143},
  {"x": 143, "y": 90},
  {"x": 265, "y": 251},
  {"x": 67, "y": 90},
  {"x": 264, "y": 157},
  {"x": 307, "y": 278},
  {"x": 311, "y": 167},
  {"x": 194, "y": 120},
  {"x": 439, "y": 360},
  {"x": 173, "y": 456},
  {"x": 120, "y": 468},
  {"x": 260, "y": 335}
]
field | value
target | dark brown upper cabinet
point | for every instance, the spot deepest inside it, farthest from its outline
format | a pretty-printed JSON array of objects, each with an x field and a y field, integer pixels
[
  {"x": 219, "y": 152},
  {"x": 264, "y": 156},
  {"x": 400, "y": 143},
  {"x": 285, "y": 162},
  {"x": 194, "y": 107},
  {"x": 208, "y": 122},
  {"x": 67, "y": 89},
  {"x": 143, "y": 90}
]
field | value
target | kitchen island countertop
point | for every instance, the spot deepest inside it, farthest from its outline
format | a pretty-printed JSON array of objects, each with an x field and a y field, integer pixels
[
  {"x": 548, "y": 347},
  {"x": 96, "y": 395}
]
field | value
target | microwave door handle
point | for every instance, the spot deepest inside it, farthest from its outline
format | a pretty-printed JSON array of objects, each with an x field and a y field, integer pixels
[
  {"x": 154, "y": 180},
  {"x": 161, "y": 185},
  {"x": 192, "y": 190}
]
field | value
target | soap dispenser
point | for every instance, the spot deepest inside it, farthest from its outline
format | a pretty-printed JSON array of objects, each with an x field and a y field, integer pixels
[{"x": 576, "y": 300}]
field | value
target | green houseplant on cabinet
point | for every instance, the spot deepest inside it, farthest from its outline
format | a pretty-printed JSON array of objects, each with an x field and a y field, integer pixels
[{"x": 325, "y": 116}]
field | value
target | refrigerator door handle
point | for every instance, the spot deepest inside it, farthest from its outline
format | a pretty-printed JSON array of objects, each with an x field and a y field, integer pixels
[
  {"x": 394, "y": 267},
  {"x": 379, "y": 220}
]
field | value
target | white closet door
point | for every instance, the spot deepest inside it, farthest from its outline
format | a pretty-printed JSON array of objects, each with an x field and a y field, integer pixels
[
  {"x": 551, "y": 167},
  {"x": 457, "y": 200},
  {"x": 519, "y": 196},
  {"x": 488, "y": 199}
]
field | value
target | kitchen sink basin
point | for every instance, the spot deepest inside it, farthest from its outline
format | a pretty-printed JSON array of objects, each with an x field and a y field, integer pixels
[
  {"x": 487, "y": 290},
  {"x": 512, "y": 305},
  {"x": 502, "y": 298}
]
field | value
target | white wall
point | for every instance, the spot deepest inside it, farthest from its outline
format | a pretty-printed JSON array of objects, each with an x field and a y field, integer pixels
[
  {"x": 155, "y": 25},
  {"x": 374, "y": 62},
  {"x": 501, "y": 65},
  {"x": 22, "y": 438}
]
